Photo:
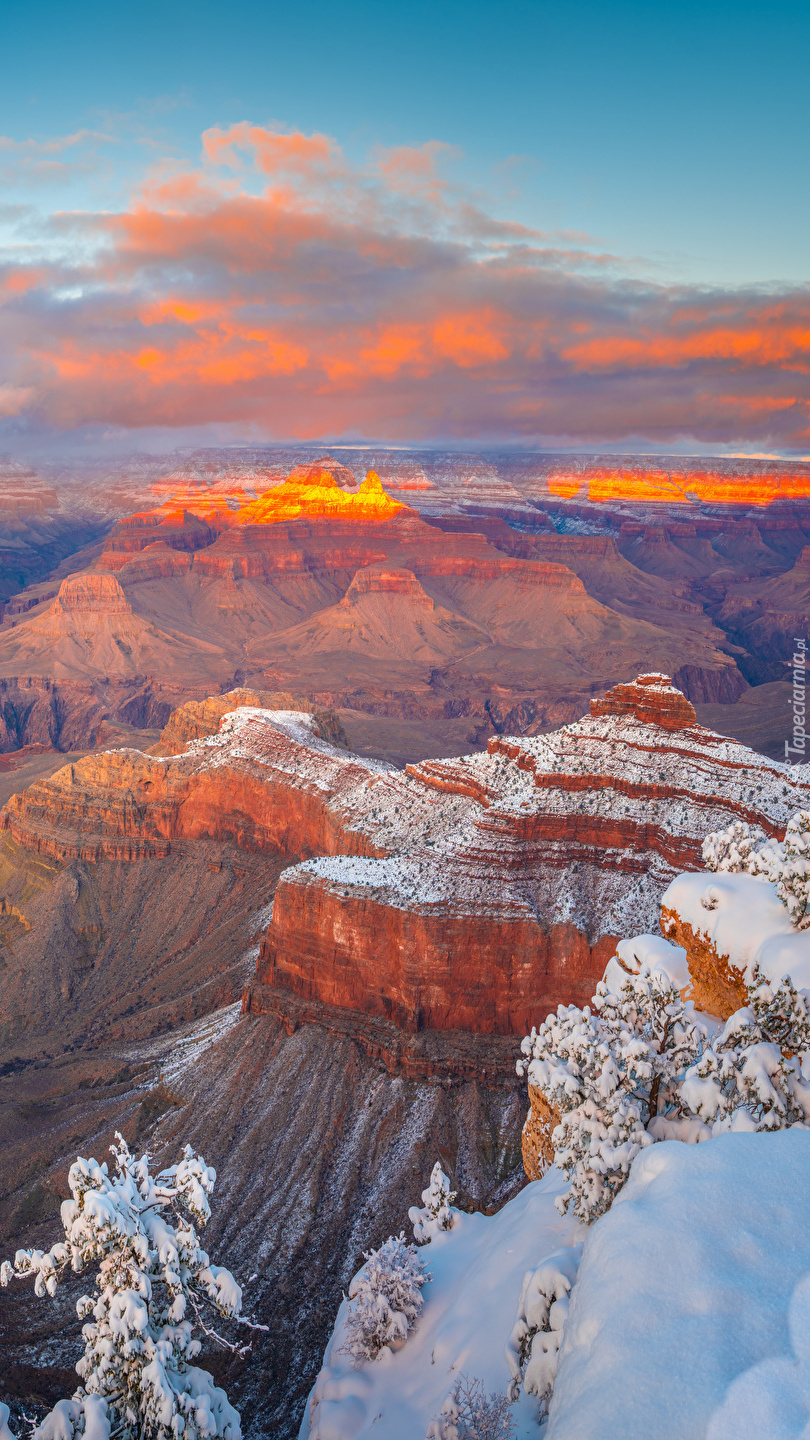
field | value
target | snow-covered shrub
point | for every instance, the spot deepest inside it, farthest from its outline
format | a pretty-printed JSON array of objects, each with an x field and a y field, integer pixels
[
  {"x": 469, "y": 1413},
  {"x": 751, "y": 1077},
  {"x": 786, "y": 865},
  {"x": 384, "y": 1299},
  {"x": 638, "y": 1069},
  {"x": 87, "y": 1416},
  {"x": 533, "y": 1347},
  {"x": 793, "y": 873},
  {"x": 609, "y": 1071},
  {"x": 136, "y": 1371},
  {"x": 436, "y": 1213},
  {"x": 734, "y": 848}
]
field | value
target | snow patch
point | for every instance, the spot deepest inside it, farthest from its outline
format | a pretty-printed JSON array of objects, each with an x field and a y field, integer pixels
[
  {"x": 685, "y": 1285},
  {"x": 478, "y": 1268}
]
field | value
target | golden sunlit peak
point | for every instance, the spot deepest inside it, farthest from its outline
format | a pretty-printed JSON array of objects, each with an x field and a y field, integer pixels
[{"x": 316, "y": 492}]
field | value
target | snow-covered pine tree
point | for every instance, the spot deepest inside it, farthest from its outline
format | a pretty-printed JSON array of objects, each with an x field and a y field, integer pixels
[
  {"x": 746, "y": 850},
  {"x": 436, "y": 1213},
  {"x": 153, "y": 1286},
  {"x": 384, "y": 1300},
  {"x": 609, "y": 1071},
  {"x": 734, "y": 848},
  {"x": 793, "y": 875},
  {"x": 751, "y": 1077}
]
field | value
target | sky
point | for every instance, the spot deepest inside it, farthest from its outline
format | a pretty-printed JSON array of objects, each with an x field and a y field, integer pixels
[{"x": 555, "y": 225}]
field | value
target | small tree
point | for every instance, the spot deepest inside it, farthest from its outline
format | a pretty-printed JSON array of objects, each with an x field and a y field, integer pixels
[
  {"x": 469, "y": 1413},
  {"x": 532, "y": 1350},
  {"x": 136, "y": 1372},
  {"x": 384, "y": 1300},
  {"x": 609, "y": 1071},
  {"x": 751, "y": 1077},
  {"x": 793, "y": 874},
  {"x": 735, "y": 848},
  {"x": 437, "y": 1213}
]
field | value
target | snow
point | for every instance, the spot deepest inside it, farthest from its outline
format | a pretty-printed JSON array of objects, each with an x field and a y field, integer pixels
[
  {"x": 478, "y": 1268},
  {"x": 744, "y": 919},
  {"x": 650, "y": 952},
  {"x": 515, "y": 833},
  {"x": 773, "y": 1397},
  {"x": 140, "y": 1227},
  {"x": 198, "y": 1038},
  {"x": 684, "y": 1286}
]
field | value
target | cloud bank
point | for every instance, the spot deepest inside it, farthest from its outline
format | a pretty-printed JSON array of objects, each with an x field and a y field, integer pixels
[{"x": 279, "y": 287}]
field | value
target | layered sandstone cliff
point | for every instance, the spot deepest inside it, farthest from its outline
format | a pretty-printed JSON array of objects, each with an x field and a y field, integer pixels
[
  {"x": 323, "y": 587},
  {"x": 470, "y": 894}
]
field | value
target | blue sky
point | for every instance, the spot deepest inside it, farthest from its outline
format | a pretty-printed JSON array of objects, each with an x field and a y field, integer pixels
[
  {"x": 571, "y": 224},
  {"x": 675, "y": 135}
]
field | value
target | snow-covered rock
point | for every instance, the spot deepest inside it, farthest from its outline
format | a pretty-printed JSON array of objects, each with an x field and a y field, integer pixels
[
  {"x": 647, "y": 952},
  {"x": 744, "y": 921}
]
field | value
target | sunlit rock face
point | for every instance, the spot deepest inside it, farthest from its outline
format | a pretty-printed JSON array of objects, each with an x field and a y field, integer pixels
[
  {"x": 651, "y": 699},
  {"x": 315, "y": 494},
  {"x": 309, "y": 491},
  {"x": 658, "y": 486}
]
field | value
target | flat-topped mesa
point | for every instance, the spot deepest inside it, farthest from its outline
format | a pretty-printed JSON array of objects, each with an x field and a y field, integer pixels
[
  {"x": 652, "y": 699},
  {"x": 467, "y": 894},
  {"x": 379, "y": 581},
  {"x": 173, "y": 526}
]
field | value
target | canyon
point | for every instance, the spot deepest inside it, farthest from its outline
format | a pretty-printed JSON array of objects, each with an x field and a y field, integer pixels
[
  {"x": 319, "y": 788},
  {"x": 432, "y": 604},
  {"x": 316, "y": 967}
]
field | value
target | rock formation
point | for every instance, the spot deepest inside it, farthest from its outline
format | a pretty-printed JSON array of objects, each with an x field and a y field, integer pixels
[
  {"x": 650, "y": 699},
  {"x": 461, "y": 895},
  {"x": 759, "y": 485},
  {"x": 733, "y": 927}
]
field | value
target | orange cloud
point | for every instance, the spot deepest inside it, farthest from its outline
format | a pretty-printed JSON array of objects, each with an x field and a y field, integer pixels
[
  {"x": 471, "y": 340},
  {"x": 273, "y": 152},
  {"x": 751, "y": 344},
  {"x": 279, "y": 286}
]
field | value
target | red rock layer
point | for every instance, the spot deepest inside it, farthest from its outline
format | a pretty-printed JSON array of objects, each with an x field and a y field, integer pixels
[
  {"x": 606, "y": 483},
  {"x": 471, "y": 893},
  {"x": 423, "y": 970},
  {"x": 652, "y": 699},
  {"x": 125, "y": 805}
]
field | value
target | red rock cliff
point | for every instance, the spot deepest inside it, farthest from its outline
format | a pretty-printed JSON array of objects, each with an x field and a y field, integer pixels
[{"x": 471, "y": 893}]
